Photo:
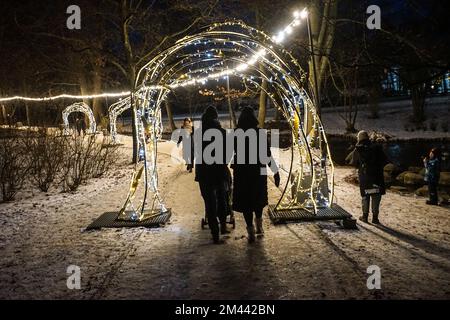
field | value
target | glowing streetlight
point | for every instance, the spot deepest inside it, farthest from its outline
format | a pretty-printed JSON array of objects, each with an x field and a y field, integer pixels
[{"x": 304, "y": 14}]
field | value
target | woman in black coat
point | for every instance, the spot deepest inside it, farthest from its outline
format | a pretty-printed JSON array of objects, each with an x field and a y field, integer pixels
[
  {"x": 213, "y": 178},
  {"x": 250, "y": 177}
]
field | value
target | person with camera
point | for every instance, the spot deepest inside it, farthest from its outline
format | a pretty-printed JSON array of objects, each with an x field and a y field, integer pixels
[{"x": 370, "y": 160}]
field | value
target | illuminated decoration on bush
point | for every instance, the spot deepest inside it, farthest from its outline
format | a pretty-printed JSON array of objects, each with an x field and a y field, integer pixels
[
  {"x": 233, "y": 49},
  {"x": 79, "y": 107}
]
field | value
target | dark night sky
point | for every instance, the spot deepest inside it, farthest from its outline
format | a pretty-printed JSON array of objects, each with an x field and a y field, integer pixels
[{"x": 423, "y": 22}]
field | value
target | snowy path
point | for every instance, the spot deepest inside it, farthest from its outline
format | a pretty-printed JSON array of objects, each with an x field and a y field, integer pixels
[
  {"x": 179, "y": 261},
  {"x": 42, "y": 235}
]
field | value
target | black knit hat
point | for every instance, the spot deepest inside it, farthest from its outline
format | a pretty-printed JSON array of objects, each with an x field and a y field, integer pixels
[
  {"x": 247, "y": 119},
  {"x": 210, "y": 114}
]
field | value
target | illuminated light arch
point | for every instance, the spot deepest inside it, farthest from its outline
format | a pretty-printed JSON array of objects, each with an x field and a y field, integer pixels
[
  {"x": 232, "y": 49},
  {"x": 79, "y": 107},
  {"x": 114, "y": 111}
]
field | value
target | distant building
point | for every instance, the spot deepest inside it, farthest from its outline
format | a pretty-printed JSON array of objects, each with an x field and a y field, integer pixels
[{"x": 392, "y": 85}]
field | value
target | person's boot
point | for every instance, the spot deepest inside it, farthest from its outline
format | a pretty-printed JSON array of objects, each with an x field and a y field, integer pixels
[
  {"x": 216, "y": 239},
  {"x": 223, "y": 228},
  {"x": 259, "y": 226},
  {"x": 375, "y": 219},
  {"x": 251, "y": 234},
  {"x": 364, "y": 218}
]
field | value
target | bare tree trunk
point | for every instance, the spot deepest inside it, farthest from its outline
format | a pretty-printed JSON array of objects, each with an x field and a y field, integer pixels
[
  {"x": 322, "y": 34},
  {"x": 418, "y": 96},
  {"x": 373, "y": 101},
  {"x": 233, "y": 123},
  {"x": 4, "y": 115},
  {"x": 27, "y": 106},
  {"x": 84, "y": 86},
  {"x": 97, "y": 104},
  {"x": 264, "y": 85},
  {"x": 170, "y": 115},
  {"x": 190, "y": 104},
  {"x": 262, "y": 104},
  {"x": 84, "y": 89},
  {"x": 131, "y": 69},
  {"x": 28, "y": 114}
]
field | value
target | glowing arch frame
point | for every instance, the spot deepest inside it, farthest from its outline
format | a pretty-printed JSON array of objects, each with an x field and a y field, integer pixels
[
  {"x": 114, "y": 111},
  {"x": 214, "y": 53},
  {"x": 79, "y": 107}
]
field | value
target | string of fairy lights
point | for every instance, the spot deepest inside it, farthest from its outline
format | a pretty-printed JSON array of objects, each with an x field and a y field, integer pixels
[
  {"x": 68, "y": 96},
  {"x": 260, "y": 54}
]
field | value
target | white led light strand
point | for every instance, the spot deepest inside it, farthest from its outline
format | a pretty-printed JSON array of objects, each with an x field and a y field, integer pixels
[
  {"x": 68, "y": 96},
  {"x": 75, "y": 97}
]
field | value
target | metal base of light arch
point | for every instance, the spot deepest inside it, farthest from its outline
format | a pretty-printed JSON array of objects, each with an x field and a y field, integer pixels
[{"x": 334, "y": 213}]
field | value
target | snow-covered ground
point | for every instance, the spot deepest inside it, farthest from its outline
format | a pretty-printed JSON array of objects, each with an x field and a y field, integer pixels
[
  {"x": 394, "y": 122},
  {"x": 42, "y": 234}
]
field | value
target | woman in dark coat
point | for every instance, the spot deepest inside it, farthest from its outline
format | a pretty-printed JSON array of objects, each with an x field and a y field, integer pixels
[
  {"x": 370, "y": 160},
  {"x": 213, "y": 178},
  {"x": 250, "y": 177}
]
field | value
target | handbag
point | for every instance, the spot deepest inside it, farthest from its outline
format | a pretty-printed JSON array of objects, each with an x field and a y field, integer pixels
[{"x": 372, "y": 191}]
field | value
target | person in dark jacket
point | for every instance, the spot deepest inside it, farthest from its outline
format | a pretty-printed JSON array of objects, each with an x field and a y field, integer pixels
[
  {"x": 213, "y": 178},
  {"x": 432, "y": 165},
  {"x": 186, "y": 138},
  {"x": 250, "y": 177},
  {"x": 370, "y": 160}
]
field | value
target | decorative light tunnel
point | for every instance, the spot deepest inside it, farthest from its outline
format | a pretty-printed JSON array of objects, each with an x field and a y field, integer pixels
[
  {"x": 79, "y": 107},
  {"x": 232, "y": 49}
]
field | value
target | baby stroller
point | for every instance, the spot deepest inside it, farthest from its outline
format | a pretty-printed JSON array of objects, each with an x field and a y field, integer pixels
[{"x": 229, "y": 210}]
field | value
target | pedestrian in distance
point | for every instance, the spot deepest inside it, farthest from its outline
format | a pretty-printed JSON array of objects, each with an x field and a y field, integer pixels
[
  {"x": 186, "y": 138},
  {"x": 432, "y": 165}
]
